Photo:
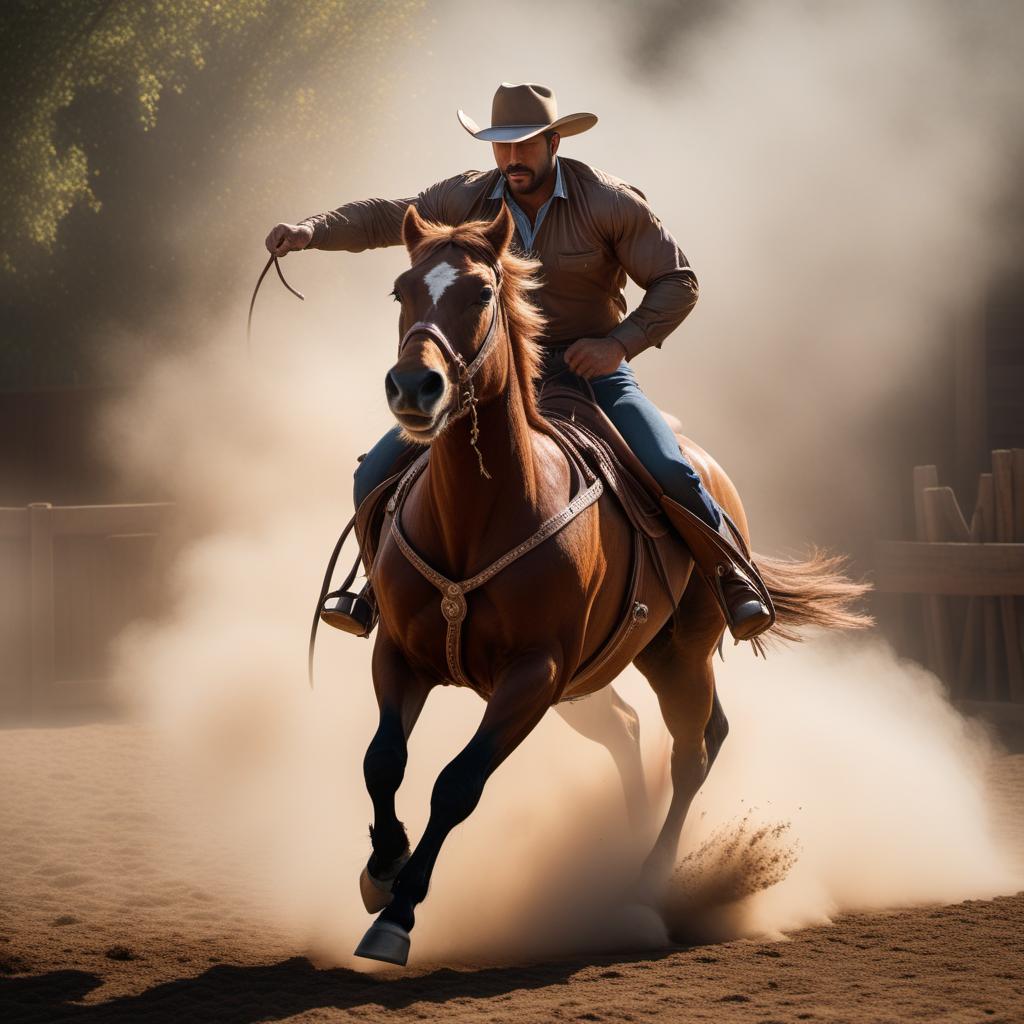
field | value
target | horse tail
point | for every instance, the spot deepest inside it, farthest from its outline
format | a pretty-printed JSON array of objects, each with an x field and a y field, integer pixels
[{"x": 813, "y": 592}]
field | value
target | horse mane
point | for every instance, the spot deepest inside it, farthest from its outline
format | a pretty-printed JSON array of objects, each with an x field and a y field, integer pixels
[{"x": 519, "y": 278}]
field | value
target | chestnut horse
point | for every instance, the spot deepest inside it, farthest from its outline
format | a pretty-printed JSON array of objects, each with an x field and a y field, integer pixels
[{"x": 464, "y": 384}]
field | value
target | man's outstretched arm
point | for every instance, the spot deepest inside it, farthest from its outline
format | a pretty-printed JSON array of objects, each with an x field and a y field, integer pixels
[{"x": 366, "y": 224}]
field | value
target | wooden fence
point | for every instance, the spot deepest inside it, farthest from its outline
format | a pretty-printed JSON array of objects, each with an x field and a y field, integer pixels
[
  {"x": 970, "y": 578},
  {"x": 71, "y": 578}
]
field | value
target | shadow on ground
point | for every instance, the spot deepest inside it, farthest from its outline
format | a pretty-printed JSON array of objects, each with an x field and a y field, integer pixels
[{"x": 229, "y": 994}]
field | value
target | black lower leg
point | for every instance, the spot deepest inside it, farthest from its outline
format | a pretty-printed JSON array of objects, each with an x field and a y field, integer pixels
[
  {"x": 456, "y": 793},
  {"x": 383, "y": 770}
]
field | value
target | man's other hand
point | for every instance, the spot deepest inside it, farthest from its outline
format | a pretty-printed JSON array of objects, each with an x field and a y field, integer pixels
[
  {"x": 284, "y": 238},
  {"x": 594, "y": 357}
]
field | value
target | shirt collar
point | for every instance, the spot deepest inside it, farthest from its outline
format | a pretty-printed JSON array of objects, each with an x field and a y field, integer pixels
[{"x": 559, "y": 193}]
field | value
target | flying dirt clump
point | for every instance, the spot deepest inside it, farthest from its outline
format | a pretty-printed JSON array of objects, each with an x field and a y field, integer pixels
[{"x": 702, "y": 902}]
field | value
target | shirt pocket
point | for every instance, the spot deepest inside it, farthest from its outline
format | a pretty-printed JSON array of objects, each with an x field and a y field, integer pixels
[{"x": 580, "y": 262}]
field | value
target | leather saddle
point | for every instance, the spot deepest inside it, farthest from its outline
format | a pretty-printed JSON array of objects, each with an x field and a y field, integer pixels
[{"x": 567, "y": 403}]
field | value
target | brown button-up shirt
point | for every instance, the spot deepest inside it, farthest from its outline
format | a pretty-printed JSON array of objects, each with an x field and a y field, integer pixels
[{"x": 587, "y": 244}]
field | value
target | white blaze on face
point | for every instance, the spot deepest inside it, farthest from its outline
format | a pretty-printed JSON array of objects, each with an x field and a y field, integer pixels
[{"x": 438, "y": 280}]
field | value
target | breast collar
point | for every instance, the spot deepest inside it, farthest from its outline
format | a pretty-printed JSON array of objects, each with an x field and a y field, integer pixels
[{"x": 588, "y": 489}]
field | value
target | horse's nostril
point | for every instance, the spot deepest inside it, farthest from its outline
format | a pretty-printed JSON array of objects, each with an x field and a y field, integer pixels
[
  {"x": 414, "y": 391},
  {"x": 431, "y": 389}
]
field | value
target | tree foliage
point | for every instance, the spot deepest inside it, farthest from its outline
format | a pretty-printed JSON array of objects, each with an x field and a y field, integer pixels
[
  {"x": 55, "y": 52},
  {"x": 148, "y": 143}
]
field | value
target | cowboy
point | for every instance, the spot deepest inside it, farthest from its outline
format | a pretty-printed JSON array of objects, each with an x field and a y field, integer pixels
[{"x": 589, "y": 231}]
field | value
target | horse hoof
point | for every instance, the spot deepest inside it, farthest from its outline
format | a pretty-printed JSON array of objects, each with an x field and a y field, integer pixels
[
  {"x": 376, "y": 892},
  {"x": 385, "y": 941}
]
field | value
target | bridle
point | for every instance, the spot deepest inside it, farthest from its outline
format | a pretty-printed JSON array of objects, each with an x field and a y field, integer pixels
[{"x": 465, "y": 389}]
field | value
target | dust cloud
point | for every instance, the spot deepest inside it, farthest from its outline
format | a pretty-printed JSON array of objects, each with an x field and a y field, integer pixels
[{"x": 832, "y": 171}]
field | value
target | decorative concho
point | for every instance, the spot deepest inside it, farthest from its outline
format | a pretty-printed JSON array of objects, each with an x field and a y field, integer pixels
[{"x": 453, "y": 605}]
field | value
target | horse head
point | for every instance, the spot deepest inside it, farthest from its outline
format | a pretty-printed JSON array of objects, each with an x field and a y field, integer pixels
[{"x": 449, "y": 356}]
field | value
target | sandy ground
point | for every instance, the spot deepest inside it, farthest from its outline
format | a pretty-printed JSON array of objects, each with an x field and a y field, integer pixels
[{"x": 108, "y": 914}]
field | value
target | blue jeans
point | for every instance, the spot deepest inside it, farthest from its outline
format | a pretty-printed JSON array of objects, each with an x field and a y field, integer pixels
[{"x": 635, "y": 416}]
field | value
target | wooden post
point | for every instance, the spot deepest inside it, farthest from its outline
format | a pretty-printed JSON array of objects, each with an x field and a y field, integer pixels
[
  {"x": 940, "y": 514},
  {"x": 936, "y": 621},
  {"x": 969, "y": 674},
  {"x": 943, "y": 519},
  {"x": 990, "y": 610},
  {"x": 1018, "y": 528},
  {"x": 1018, "y": 495},
  {"x": 40, "y": 520},
  {"x": 945, "y": 522},
  {"x": 1002, "y": 479}
]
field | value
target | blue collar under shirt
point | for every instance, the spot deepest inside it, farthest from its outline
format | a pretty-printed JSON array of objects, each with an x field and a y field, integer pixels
[{"x": 528, "y": 231}]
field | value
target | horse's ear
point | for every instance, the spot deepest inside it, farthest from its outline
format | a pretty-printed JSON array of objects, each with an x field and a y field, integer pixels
[
  {"x": 414, "y": 228},
  {"x": 499, "y": 231}
]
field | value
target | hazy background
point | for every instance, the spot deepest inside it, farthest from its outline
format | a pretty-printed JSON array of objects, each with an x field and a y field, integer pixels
[{"x": 841, "y": 177}]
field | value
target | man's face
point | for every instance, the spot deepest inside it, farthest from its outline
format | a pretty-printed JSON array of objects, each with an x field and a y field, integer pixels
[{"x": 526, "y": 165}]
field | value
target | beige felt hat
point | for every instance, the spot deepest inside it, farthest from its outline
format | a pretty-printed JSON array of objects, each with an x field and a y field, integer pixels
[{"x": 519, "y": 112}]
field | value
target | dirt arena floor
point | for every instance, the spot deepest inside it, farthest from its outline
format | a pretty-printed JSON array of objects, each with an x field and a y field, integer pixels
[{"x": 94, "y": 927}]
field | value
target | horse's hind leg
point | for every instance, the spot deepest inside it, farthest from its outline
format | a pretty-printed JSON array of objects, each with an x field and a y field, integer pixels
[
  {"x": 682, "y": 676},
  {"x": 606, "y": 718}
]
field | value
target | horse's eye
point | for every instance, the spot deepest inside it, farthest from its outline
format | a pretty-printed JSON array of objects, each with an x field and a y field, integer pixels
[{"x": 486, "y": 295}]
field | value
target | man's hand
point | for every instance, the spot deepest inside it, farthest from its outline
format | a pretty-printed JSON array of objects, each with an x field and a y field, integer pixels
[
  {"x": 284, "y": 238},
  {"x": 594, "y": 357}
]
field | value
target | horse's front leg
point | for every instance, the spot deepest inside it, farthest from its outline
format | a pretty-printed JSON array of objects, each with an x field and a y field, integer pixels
[
  {"x": 522, "y": 693},
  {"x": 401, "y": 693}
]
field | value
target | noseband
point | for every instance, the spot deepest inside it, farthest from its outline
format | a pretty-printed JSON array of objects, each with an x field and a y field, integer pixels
[{"x": 465, "y": 392}]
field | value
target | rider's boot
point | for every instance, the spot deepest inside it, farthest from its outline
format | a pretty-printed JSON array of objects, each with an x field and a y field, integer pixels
[
  {"x": 728, "y": 571},
  {"x": 353, "y": 613}
]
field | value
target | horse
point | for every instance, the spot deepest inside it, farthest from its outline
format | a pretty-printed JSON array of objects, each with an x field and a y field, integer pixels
[{"x": 542, "y": 553}]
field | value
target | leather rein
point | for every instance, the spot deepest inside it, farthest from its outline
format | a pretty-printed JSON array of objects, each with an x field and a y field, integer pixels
[{"x": 252, "y": 302}]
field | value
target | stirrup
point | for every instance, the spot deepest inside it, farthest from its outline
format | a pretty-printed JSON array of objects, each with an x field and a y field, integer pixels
[
  {"x": 748, "y": 617},
  {"x": 349, "y": 612},
  {"x": 723, "y": 565}
]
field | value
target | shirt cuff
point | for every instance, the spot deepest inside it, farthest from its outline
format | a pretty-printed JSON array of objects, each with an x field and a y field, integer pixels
[
  {"x": 319, "y": 226},
  {"x": 632, "y": 338}
]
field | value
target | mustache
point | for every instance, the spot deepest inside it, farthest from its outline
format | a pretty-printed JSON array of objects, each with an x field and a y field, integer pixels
[{"x": 513, "y": 168}]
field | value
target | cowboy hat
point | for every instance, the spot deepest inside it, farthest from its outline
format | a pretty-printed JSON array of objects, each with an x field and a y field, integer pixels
[{"x": 519, "y": 112}]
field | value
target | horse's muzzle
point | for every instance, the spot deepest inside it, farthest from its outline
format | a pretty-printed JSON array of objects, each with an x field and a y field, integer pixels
[
  {"x": 416, "y": 397},
  {"x": 418, "y": 391}
]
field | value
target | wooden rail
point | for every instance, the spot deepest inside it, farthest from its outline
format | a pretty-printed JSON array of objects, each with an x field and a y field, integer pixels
[
  {"x": 980, "y": 570},
  {"x": 970, "y": 578},
  {"x": 72, "y": 576}
]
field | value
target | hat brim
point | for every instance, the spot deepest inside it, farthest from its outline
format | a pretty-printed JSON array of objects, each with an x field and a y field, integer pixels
[{"x": 571, "y": 124}]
